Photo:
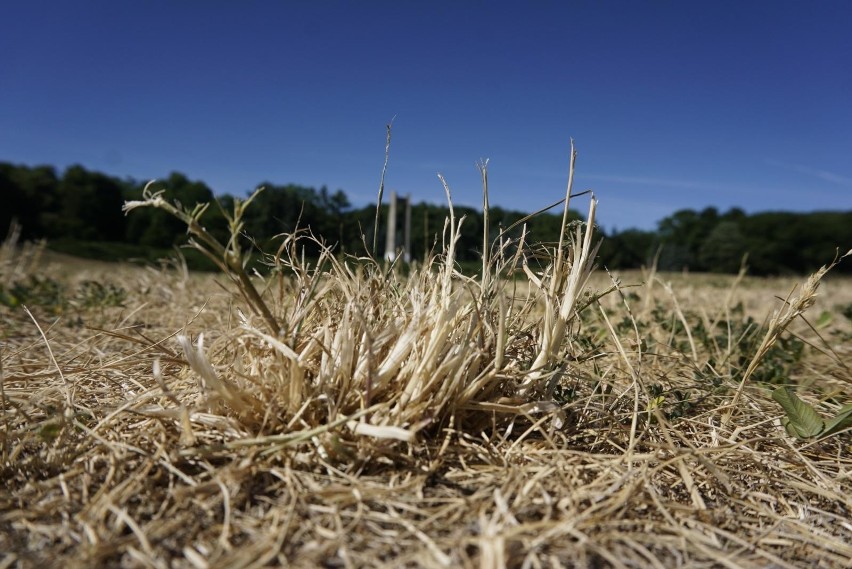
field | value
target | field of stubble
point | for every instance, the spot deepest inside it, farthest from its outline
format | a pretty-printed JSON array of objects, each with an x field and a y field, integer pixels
[{"x": 149, "y": 419}]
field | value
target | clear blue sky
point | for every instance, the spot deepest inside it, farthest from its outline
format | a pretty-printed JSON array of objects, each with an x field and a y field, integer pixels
[{"x": 671, "y": 104}]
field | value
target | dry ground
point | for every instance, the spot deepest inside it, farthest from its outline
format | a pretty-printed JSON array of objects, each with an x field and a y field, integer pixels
[{"x": 623, "y": 461}]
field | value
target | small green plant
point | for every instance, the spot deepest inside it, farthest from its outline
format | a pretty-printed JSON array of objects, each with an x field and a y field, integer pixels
[
  {"x": 53, "y": 297},
  {"x": 802, "y": 420},
  {"x": 93, "y": 294},
  {"x": 674, "y": 403},
  {"x": 44, "y": 292}
]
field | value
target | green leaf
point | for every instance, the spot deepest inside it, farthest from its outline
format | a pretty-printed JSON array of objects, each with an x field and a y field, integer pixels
[
  {"x": 841, "y": 421},
  {"x": 788, "y": 426},
  {"x": 50, "y": 431},
  {"x": 824, "y": 319},
  {"x": 803, "y": 421}
]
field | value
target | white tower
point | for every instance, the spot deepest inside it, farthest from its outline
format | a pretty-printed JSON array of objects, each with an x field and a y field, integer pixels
[{"x": 391, "y": 251}]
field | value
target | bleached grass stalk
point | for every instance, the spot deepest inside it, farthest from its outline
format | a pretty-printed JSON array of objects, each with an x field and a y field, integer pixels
[
  {"x": 187, "y": 437},
  {"x": 228, "y": 258},
  {"x": 450, "y": 241},
  {"x": 565, "y": 209},
  {"x": 682, "y": 317},
  {"x": 381, "y": 191},
  {"x": 216, "y": 387},
  {"x": 793, "y": 308},
  {"x": 69, "y": 387},
  {"x": 635, "y": 386},
  {"x": 567, "y": 280},
  {"x": 337, "y": 341},
  {"x": 486, "y": 245},
  {"x": 563, "y": 282}
]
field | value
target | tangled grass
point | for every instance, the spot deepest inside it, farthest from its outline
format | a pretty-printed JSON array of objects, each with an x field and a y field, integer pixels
[{"x": 337, "y": 413}]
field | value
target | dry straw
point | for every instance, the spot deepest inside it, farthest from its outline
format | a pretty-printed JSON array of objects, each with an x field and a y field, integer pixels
[{"x": 332, "y": 412}]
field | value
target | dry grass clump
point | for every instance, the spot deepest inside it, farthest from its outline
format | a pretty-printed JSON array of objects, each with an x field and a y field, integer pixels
[{"x": 336, "y": 413}]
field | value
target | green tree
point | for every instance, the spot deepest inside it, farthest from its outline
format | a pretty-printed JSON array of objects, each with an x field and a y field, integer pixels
[
  {"x": 682, "y": 235},
  {"x": 336, "y": 228},
  {"x": 629, "y": 249},
  {"x": 89, "y": 207},
  {"x": 30, "y": 196},
  {"x": 723, "y": 249},
  {"x": 284, "y": 209}
]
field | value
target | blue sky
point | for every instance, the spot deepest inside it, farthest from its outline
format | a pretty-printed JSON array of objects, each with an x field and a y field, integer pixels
[{"x": 671, "y": 104}]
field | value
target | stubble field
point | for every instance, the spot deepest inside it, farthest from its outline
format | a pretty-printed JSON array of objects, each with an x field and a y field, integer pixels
[{"x": 155, "y": 418}]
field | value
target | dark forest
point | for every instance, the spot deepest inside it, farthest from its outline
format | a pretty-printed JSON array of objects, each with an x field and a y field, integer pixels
[{"x": 80, "y": 212}]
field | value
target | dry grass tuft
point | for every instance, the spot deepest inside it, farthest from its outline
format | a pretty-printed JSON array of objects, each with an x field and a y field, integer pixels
[{"x": 336, "y": 413}]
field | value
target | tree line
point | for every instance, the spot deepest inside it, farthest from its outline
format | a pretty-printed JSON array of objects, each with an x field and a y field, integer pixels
[{"x": 80, "y": 211}]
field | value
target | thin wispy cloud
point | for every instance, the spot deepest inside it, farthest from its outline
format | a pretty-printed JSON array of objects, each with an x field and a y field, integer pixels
[
  {"x": 659, "y": 182},
  {"x": 815, "y": 172}
]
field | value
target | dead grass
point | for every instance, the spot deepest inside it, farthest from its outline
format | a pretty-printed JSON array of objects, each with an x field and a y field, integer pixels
[{"x": 426, "y": 421}]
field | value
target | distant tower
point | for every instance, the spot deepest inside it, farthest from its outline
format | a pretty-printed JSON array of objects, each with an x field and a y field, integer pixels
[
  {"x": 390, "y": 243},
  {"x": 393, "y": 229},
  {"x": 406, "y": 231}
]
